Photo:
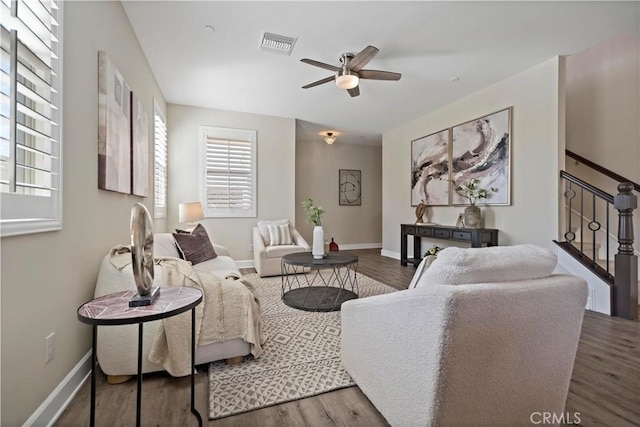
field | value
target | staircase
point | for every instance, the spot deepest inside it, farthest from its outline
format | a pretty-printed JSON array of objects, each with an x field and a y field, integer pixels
[{"x": 597, "y": 241}]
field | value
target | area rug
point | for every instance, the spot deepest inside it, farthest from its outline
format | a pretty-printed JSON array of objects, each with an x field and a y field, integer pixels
[{"x": 301, "y": 356}]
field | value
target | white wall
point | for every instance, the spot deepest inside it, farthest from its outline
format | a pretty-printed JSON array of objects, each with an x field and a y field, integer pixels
[
  {"x": 317, "y": 166},
  {"x": 536, "y": 96},
  {"x": 276, "y": 170},
  {"x": 603, "y": 105},
  {"x": 46, "y": 276}
]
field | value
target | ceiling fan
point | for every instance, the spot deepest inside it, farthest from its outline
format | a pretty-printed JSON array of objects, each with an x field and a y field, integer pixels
[{"x": 350, "y": 72}]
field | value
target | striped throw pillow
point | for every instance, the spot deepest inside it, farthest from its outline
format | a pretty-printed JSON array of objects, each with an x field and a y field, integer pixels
[{"x": 280, "y": 235}]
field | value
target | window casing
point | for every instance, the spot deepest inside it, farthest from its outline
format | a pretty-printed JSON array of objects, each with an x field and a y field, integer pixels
[
  {"x": 160, "y": 164},
  {"x": 228, "y": 165},
  {"x": 30, "y": 116}
]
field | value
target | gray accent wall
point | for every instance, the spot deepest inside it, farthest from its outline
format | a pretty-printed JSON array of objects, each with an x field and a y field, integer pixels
[{"x": 317, "y": 166}]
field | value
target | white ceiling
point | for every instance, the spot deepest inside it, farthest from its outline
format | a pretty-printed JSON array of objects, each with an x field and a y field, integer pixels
[{"x": 428, "y": 42}]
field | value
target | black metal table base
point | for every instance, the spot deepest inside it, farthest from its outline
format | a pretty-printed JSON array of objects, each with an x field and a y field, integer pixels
[
  {"x": 331, "y": 281},
  {"x": 92, "y": 420}
]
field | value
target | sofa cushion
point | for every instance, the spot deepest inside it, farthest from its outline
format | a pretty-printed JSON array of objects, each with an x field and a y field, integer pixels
[
  {"x": 282, "y": 250},
  {"x": 195, "y": 247},
  {"x": 164, "y": 245},
  {"x": 456, "y": 266},
  {"x": 222, "y": 266},
  {"x": 263, "y": 227},
  {"x": 279, "y": 235},
  {"x": 422, "y": 267}
]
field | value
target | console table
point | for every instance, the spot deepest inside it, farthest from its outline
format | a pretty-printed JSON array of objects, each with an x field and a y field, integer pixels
[{"x": 476, "y": 236}]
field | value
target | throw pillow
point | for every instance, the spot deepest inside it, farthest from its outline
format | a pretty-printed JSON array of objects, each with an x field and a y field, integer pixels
[
  {"x": 457, "y": 266},
  {"x": 263, "y": 227},
  {"x": 422, "y": 267},
  {"x": 280, "y": 235},
  {"x": 196, "y": 246}
]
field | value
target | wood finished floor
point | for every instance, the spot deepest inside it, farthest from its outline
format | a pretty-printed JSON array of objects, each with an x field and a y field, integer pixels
[{"x": 605, "y": 386}]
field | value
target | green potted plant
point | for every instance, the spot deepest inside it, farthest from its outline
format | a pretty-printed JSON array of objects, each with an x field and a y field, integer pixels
[
  {"x": 314, "y": 216},
  {"x": 473, "y": 192}
]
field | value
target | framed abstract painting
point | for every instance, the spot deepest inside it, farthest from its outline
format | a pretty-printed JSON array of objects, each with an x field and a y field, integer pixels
[
  {"x": 430, "y": 169},
  {"x": 481, "y": 149},
  {"x": 114, "y": 129},
  {"x": 350, "y": 187}
]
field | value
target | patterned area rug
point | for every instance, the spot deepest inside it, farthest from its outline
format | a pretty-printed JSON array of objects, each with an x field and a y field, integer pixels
[{"x": 301, "y": 357}]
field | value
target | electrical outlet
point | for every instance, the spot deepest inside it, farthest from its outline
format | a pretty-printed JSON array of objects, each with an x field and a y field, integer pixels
[{"x": 49, "y": 348}]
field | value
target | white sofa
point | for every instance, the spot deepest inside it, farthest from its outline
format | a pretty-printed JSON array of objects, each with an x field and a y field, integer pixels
[
  {"x": 266, "y": 258},
  {"x": 457, "y": 352},
  {"x": 117, "y": 345}
]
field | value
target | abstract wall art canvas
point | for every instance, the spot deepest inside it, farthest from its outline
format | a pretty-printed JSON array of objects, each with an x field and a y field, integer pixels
[
  {"x": 481, "y": 149},
  {"x": 139, "y": 149},
  {"x": 350, "y": 188},
  {"x": 430, "y": 169},
  {"x": 114, "y": 130}
]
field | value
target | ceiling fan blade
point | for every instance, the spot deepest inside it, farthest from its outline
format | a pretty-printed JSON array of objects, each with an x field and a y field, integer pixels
[
  {"x": 354, "y": 92},
  {"x": 363, "y": 58},
  {"x": 378, "y": 75},
  {"x": 319, "y": 82},
  {"x": 320, "y": 64}
]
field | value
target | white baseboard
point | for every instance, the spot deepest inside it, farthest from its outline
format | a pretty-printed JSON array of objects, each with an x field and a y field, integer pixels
[
  {"x": 390, "y": 254},
  {"x": 354, "y": 246},
  {"x": 53, "y": 406},
  {"x": 245, "y": 263}
]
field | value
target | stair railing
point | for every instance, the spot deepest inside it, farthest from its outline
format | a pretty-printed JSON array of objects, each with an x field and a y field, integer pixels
[{"x": 624, "y": 280}]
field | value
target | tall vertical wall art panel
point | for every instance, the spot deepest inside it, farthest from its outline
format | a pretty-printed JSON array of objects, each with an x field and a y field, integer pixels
[
  {"x": 481, "y": 149},
  {"x": 139, "y": 149},
  {"x": 114, "y": 130},
  {"x": 430, "y": 169}
]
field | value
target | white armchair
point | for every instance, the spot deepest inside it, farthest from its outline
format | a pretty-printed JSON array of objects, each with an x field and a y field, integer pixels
[
  {"x": 490, "y": 352},
  {"x": 267, "y": 257}
]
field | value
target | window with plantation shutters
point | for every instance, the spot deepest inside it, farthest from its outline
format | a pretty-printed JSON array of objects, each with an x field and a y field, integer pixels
[
  {"x": 160, "y": 164},
  {"x": 30, "y": 139},
  {"x": 229, "y": 172}
]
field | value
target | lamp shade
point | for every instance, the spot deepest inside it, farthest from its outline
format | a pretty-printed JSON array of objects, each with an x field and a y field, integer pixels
[{"x": 190, "y": 212}]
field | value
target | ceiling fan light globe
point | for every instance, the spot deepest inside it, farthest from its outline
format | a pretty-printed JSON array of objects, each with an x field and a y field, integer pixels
[{"x": 347, "y": 81}]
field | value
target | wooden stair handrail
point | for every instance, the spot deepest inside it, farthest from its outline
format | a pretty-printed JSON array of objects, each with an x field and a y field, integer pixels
[{"x": 601, "y": 169}]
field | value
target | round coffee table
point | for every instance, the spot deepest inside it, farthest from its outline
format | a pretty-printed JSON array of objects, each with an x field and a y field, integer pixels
[{"x": 315, "y": 290}]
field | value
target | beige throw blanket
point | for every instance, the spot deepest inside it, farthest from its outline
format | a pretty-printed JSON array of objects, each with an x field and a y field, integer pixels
[{"x": 229, "y": 310}]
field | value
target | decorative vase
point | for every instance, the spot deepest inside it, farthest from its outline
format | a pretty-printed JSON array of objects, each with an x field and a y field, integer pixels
[
  {"x": 318, "y": 242},
  {"x": 472, "y": 217},
  {"x": 333, "y": 246}
]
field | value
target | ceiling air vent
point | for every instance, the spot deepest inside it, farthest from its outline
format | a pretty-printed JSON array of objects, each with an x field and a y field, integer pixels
[{"x": 277, "y": 43}]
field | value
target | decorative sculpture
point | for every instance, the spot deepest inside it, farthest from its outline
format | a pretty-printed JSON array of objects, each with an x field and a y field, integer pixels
[
  {"x": 421, "y": 210},
  {"x": 142, "y": 256}
]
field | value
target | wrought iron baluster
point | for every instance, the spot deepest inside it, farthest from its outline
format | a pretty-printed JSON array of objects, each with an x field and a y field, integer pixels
[
  {"x": 608, "y": 205},
  {"x": 581, "y": 221}
]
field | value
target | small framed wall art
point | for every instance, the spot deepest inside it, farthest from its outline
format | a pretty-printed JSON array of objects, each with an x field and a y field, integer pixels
[{"x": 350, "y": 187}]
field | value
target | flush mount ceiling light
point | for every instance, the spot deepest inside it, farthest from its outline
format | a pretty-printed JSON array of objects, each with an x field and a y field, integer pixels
[
  {"x": 329, "y": 138},
  {"x": 347, "y": 79}
]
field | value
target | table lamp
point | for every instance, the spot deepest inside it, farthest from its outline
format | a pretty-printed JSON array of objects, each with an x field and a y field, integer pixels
[{"x": 190, "y": 213}]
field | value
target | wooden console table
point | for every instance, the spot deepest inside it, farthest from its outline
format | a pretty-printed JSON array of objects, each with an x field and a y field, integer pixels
[{"x": 476, "y": 236}]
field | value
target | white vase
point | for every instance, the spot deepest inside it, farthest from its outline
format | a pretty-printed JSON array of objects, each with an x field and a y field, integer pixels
[{"x": 318, "y": 242}]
